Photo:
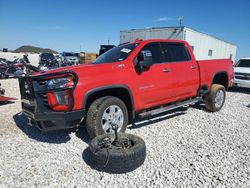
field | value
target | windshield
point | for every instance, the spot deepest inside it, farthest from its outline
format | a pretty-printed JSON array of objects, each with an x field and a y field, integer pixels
[
  {"x": 47, "y": 55},
  {"x": 70, "y": 54},
  {"x": 243, "y": 63},
  {"x": 116, "y": 54}
]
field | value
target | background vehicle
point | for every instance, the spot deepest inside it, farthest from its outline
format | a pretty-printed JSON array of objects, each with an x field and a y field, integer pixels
[
  {"x": 5, "y": 49},
  {"x": 4, "y": 98},
  {"x": 69, "y": 58},
  {"x": 242, "y": 73},
  {"x": 14, "y": 68},
  {"x": 47, "y": 61},
  {"x": 105, "y": 48},
  {"x": 133, "y": 80}
]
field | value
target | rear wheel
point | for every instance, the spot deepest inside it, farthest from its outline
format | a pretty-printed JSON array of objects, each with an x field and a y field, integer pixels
[
  {"x": 216, "y": 98},
  {"x": 105, "y": 112}
]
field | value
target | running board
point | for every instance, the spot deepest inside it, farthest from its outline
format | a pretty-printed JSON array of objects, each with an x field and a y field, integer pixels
[{"x": 170, "y": 107}]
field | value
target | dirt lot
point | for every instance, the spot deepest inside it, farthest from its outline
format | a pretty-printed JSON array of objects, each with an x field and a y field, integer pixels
[{"x": 185, "y": 148}]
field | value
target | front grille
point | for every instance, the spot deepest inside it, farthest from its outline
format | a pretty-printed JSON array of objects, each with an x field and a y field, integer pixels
[
  {"x": 242, "y": 76},
  {"x": 28, "y": 107},
  {"x": 28, "y": 90},
  {"x": 45, "y": 99},
  {"x": 41, "y": 83}
]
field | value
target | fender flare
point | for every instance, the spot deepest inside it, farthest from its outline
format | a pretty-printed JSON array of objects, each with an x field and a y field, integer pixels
[
  {"x": 115, "y": 86},
  {"x": 216, "y": 73}
]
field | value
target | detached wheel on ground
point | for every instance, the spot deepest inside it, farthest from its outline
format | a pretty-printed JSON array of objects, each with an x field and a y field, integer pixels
[
  {"x": 216, "y": 98},
  {"x": 104, "y": 112},
  {"x": 122, "y": 155}
]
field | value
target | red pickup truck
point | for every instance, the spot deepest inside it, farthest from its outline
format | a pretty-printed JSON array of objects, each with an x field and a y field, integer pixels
[{"x": 132, "y": 80}]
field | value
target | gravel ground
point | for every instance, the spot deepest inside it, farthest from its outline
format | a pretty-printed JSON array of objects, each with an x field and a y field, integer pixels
[{"x": 185, "y": 148}]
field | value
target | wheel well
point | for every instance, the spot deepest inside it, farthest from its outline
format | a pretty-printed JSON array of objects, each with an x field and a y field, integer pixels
[
  {"x": 121, "y": 93},
  {"x": 222, "y": 79}
]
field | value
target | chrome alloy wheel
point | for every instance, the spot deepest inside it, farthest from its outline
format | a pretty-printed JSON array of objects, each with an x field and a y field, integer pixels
[
  {"x": 113, "y": 115},
  {"x": 219, "y": 98}
]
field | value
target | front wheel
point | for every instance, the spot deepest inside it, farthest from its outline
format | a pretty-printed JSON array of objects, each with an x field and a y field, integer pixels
[
  {"x": 104, "y": 113},
  {"x": 216, "y": 98}
]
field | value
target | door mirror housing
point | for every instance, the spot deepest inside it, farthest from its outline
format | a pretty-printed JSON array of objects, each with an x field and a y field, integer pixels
[{"x": 145, "y": 59}]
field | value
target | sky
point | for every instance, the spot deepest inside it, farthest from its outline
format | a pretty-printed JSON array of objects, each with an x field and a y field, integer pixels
[{"x": 71, "y": 25}]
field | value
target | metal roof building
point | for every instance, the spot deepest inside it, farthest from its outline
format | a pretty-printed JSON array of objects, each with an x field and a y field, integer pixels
[{"x": 204, "y": 46}]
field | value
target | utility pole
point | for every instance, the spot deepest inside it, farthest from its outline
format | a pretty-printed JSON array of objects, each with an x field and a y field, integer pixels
[{"x": 181, "y": 18}]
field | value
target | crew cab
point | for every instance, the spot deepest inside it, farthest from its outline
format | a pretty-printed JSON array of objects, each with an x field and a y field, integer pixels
[
  {"x": 242, "y": 73},
  {"x": 132, "y": 80}
]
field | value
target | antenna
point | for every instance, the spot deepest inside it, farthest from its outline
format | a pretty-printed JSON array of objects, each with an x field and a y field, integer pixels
[{"x": 180, "y": 19}]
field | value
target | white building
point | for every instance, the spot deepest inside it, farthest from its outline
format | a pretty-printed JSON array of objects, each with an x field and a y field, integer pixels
[{"x": 204, "y": 46}]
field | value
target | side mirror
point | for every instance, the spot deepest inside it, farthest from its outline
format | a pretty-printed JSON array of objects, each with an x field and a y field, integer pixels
[{"x": 144, "y": 58}]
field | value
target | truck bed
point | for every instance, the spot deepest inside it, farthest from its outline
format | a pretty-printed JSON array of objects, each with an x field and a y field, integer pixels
[{"x": 211, "y": 67}]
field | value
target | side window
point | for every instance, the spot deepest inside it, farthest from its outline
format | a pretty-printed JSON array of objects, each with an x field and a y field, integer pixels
[
  {"x": 175, "y": 52},
  {"x": 156, "y": 52},
  {"x": 210, "y": 52}
]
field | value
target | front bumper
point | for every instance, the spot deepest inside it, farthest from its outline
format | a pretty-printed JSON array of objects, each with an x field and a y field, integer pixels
[
  {"x": 35, "y": 107},
  {"x": 48, "y": 121},
  {"x": 241, "y": 83}
]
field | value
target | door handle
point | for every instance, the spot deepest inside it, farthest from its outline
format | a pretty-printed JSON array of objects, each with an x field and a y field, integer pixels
[
  {"x": 193, "y": 67},
  {"x": 166, "y": 70}
]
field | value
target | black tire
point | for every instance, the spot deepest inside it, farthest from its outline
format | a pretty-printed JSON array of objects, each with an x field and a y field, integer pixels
[
  {"x": 113, "y": 160},
  {"x": 96, "y": 110},
  {"x": 210, "y": 100}
]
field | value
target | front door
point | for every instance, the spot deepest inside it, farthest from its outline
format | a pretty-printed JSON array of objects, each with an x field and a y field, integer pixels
[{"x": 155, "y": 83}]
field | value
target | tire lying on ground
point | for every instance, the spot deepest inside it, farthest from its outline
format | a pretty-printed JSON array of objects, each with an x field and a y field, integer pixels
[{"x": 123, "y": 155}]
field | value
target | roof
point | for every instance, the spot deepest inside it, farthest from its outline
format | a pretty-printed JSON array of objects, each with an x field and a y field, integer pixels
[
  {"x": 248, "y": 58},
  {"x": 209, "y": 35},
  {"x": 176, "y": 27},
  {"x": 149, "y": 28}
]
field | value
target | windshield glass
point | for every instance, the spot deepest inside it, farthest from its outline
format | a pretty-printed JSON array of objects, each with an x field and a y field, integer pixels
[
  {"x": 47, "y": 55},
  {"x": 69, "y": 54},
  {"x": 243, "y": 63},
  {"x": 116, "y": 54}
]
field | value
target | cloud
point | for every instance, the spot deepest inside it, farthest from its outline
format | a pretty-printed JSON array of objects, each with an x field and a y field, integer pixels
[
  {"x": 214, "y": 34},
  {"x": 221, "y": 34},
  {"x": 165, "y": 19},
  {"x": 48, "y": 28}
]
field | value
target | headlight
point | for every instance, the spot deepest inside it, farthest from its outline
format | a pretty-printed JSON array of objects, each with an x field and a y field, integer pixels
[{"x": 59, "y": 83}]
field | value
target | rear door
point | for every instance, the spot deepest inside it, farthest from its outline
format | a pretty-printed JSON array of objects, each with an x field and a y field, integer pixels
[{"x": 184, "y": 72}]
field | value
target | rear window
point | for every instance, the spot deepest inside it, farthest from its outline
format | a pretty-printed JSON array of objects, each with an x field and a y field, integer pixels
[
  {"x": 175, "y": 52},
  {"x": 243, "y": 63}
]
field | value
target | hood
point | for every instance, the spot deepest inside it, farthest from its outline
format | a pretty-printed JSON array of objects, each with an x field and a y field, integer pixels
[
  {"x": 87, "y": 71},
  {"x": 61, "y": 69},
  {"x": 242, "y": 70}
]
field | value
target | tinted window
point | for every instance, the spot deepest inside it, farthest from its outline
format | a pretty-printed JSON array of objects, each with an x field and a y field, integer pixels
[
  {"x": 243, "y": 63},
  {"x": 47, "y": 55},
  {"x": 175, "y": 52},
  {"x": 69, "y": 54},
  {"x": 156, "y": 52},
  {"x": 116, "y": 54}
]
